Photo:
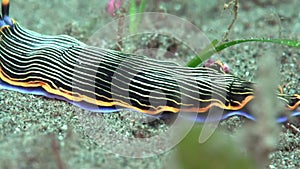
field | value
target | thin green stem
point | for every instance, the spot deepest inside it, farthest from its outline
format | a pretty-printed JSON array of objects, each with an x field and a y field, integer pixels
[{"x": 212, "y": 48}]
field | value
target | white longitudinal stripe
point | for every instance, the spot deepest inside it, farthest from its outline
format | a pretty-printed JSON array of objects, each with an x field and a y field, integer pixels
[
  {"x": 177, "y": 72},
  {"x": 168, "y": 75},
  {"x": 55, "y": 57},
  {"x": 48, "y": 74},
  {"x": 134, "y": 74}
]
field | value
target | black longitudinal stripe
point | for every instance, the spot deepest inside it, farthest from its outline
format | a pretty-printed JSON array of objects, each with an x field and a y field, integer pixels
[
  {"x": 69, "y": 66},
  {"x": 48, "y": 52}
]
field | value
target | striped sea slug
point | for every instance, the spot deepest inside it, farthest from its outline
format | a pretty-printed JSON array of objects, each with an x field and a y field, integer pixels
[{"x": 103, "y": 80}]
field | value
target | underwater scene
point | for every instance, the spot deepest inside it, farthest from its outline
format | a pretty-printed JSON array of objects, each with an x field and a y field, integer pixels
[{"x": 183, "y": 84}]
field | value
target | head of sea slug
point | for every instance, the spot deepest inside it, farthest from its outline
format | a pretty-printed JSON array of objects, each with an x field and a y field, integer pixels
[{"x": 5, "y": 20}]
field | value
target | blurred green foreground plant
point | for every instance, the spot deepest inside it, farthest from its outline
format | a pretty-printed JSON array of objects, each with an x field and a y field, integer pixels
[{"x": 219, "y": 152}]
